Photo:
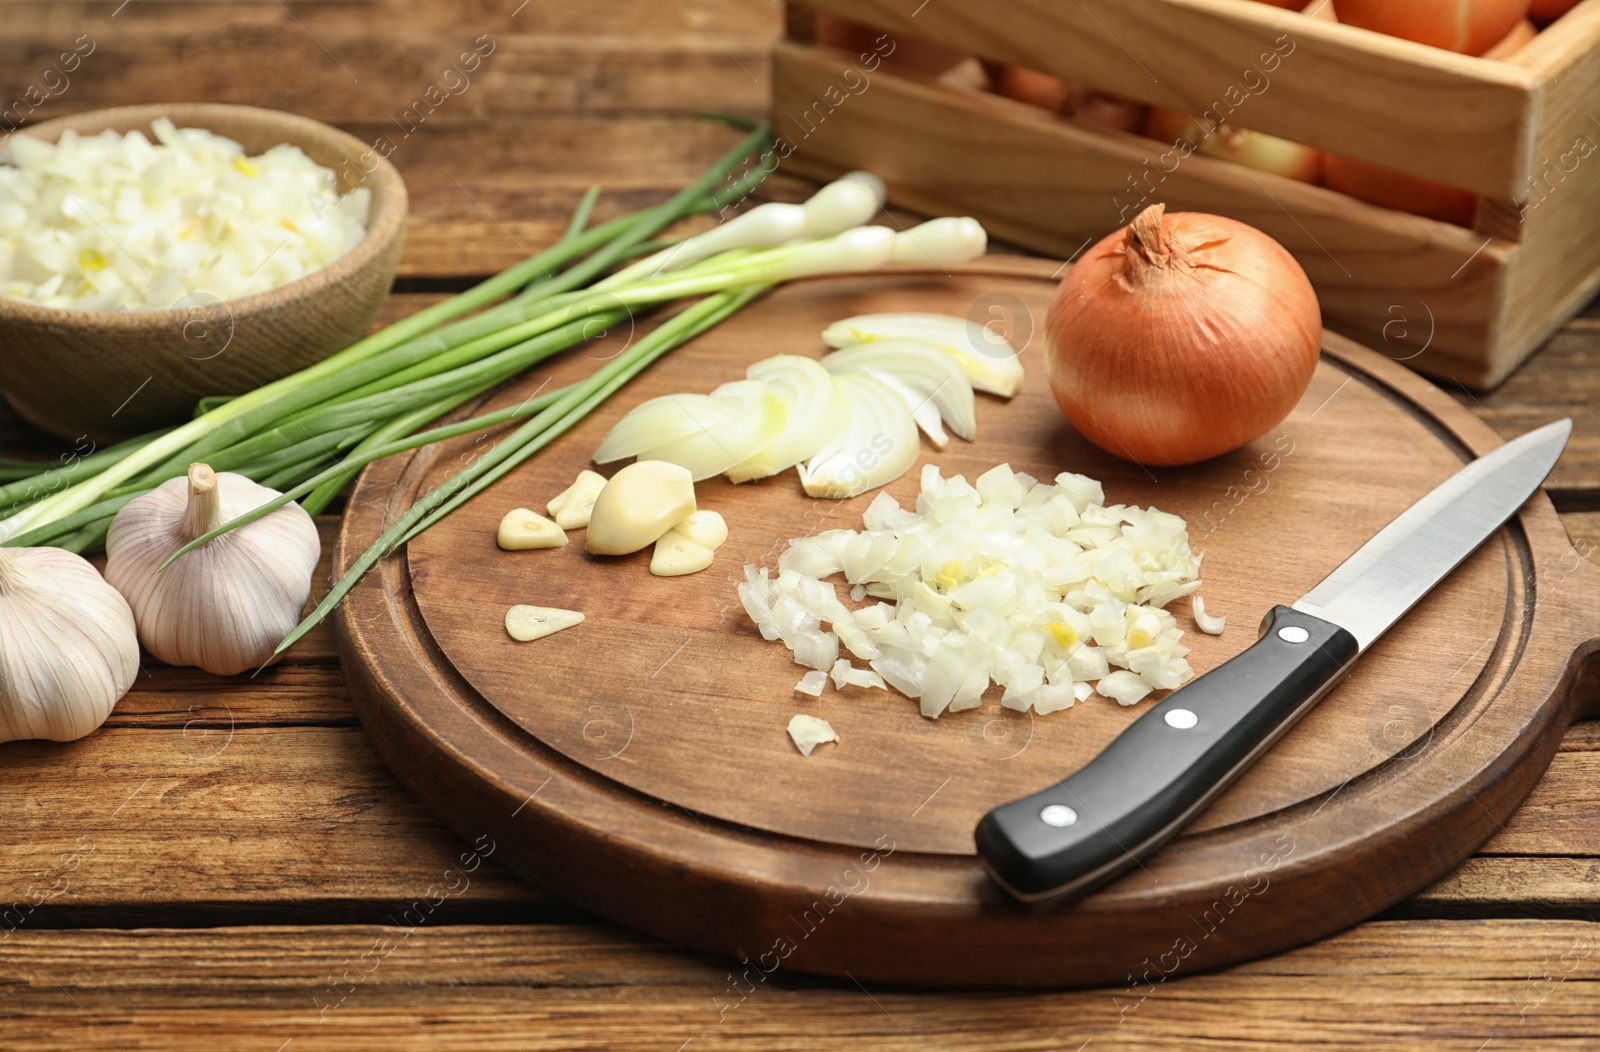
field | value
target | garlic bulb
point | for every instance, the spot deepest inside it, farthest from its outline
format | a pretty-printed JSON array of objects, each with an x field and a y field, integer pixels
[
  {"x": 225, "y": 605},
  {"x": 67, "y": 645}
]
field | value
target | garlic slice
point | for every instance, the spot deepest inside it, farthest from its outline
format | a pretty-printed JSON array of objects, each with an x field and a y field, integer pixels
[
  {"x": 676, "y": 555},
  {"x": 527, "y": 623},
  {"x": 808, "y": 732},
  {"x": 991, "y": 363},
  {"x": 878, "y": 446},
  {"x": 522, "y": 529},
  {"x": 704, "y": 527},
  {"x": 641, "y": 502},
  {"x": 572, "y": 506}
]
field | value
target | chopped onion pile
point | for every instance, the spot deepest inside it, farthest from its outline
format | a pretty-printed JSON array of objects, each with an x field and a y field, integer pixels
[
  {"x": 847, "y": 423},
  {"x": 1037, "y": 587},
  {"x": 114, "y": 222}
]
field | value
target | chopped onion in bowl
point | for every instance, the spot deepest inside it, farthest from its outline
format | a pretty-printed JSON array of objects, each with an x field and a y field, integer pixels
[
  {"x": 1039, "y": 588},
  {"x": 115, "y": 222}
]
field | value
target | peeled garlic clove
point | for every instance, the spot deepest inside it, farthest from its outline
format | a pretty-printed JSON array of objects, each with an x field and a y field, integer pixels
[
  {"x": 572, "y": 507},
  {"x": 641, "y": 502},
  {"x": 676, "y": 555},
  {"x": 225, "y": 605},
  {"x": 704, "y": 527},
  {"x": 527, "y": 623},
  {"x": 68, "y": 649},
  {"x": 522, "y": 529}
]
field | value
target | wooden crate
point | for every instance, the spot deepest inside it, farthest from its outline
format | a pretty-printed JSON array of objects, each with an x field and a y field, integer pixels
[{"x": 1466, "y": 305}]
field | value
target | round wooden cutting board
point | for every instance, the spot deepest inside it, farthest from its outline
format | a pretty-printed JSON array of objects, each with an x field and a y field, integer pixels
[{"x": 638, "y": 764}]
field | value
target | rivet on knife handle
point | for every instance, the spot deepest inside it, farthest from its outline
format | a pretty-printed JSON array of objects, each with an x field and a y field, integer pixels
[{"x": 1163, "y": 769}]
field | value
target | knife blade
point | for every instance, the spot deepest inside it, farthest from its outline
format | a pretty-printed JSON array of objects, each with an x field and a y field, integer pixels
[{"x": 1170, "y": 763}]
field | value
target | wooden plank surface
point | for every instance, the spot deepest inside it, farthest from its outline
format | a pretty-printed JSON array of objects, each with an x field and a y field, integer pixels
[
  {"x": 1414, "y": 985},
  {"x": 294, "y": 823}
]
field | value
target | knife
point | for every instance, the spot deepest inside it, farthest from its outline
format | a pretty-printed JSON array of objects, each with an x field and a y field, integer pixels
[{"x": 1169, "y": 764}]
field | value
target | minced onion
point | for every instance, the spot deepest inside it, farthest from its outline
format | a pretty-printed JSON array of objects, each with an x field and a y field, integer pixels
[
  {"x": 115, "y": 222},
  {"x": 1038, "y": 587},
  {"x": 1211, "y": 626}
]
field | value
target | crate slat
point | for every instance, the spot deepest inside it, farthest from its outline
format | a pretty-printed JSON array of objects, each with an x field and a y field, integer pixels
[{"x": 1460, "y": 120}]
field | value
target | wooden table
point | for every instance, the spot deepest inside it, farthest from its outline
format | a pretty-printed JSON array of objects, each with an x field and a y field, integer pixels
[{"x": 229, "y": 866}]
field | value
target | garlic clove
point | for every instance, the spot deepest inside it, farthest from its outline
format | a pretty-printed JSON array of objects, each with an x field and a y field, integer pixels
[
  {"x": 572, "y": 506},
  {"x": 527, "y": 623},
  {"x": 224, "y": 606},
  {"x": 68, "y": 648},
  {"x": 641, "y": 502},
  {"x": 704, "y": 527},
  {"x": 676, "y": 555},
  {"x": 522, "y": 529}
]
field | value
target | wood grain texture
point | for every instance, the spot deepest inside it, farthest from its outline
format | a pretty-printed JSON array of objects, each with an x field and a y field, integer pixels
[
  {"x": 610, "y": 818},
  {"x": 1411, "y": 985},
  {"x": 1558, "y": 266}
]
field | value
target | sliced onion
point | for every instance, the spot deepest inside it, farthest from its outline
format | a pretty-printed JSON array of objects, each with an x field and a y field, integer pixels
[
  {"x": 991, "y": 363},
  {"x": 878, "y": 445},
  {"x": 931, "y": 374},
  {"x": 817, "y": 412},
  {"x": 757, "y": 417},
  {"x": 659, "y": 421},
  {"x": 923, "y": 412}
]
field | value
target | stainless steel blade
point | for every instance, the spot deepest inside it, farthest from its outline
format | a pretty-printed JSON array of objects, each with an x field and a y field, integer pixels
[{"x": 1374, "y": 588}]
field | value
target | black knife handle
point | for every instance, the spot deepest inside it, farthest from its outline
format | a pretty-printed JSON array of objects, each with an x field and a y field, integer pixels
[{"x": 1161, "y": 771}]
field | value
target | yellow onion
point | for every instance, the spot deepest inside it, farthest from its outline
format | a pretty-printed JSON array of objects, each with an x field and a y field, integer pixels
[
  {"x": 1181, "y": 337},
  {"x": 1468, "y": 26}
]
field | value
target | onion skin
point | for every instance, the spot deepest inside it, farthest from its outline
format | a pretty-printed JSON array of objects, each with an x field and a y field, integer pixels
[
  {"x": 1468, "y": 26},
  {"x": 1182, "y": 337},
  {"x": 1382, "y": 186}
]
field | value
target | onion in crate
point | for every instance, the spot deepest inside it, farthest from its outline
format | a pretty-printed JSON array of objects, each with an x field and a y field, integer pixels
[{"x": 1468, "y": 26}]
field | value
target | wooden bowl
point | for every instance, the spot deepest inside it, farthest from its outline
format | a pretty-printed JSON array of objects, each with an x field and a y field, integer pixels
[{"x": 109, "y": 374}]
